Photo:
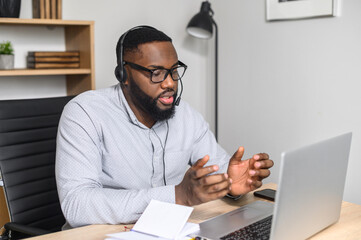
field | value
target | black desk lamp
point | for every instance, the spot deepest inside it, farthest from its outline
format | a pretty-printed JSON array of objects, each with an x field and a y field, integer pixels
[{"x": 201, "y": 26}]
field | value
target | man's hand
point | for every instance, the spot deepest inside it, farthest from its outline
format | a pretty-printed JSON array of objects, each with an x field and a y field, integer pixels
[
  {"x": 198, "y": 186},
  {"x": 247, "y": 175}
]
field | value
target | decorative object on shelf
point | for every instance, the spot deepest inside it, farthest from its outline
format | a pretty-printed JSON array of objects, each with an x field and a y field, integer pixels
[
  {"x": 6, "y": 55},
  {"x": 47, "y": 9},
  {"x": 52, "y": 59},
  {"x": 300, "y": 9},
  {"x": 10, "y": 8},
  {"x": 201, "y": 26}
]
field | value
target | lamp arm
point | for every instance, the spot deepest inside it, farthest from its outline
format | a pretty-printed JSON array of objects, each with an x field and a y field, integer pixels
[{"x": 216, "y": 80}]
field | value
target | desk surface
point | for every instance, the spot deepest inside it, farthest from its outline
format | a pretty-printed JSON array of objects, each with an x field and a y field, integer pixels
[{"x": 347, "y": 228}]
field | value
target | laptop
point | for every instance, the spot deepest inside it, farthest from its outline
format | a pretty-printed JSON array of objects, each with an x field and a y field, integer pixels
[{"x": 308, "y": 198}]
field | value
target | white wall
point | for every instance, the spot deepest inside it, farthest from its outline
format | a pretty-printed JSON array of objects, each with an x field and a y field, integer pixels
[
  {"x": 286, "y": 84},
  {"x": 112, "y": 18}
]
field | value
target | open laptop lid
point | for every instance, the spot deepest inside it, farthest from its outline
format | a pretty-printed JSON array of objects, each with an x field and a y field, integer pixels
[{"x": 310, "y": 188}]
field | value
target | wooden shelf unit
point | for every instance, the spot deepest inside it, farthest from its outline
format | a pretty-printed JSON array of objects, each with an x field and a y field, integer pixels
[{"x": 79, "y": 36}]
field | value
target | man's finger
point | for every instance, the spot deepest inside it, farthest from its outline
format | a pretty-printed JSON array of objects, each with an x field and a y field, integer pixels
[
  {"x": 224, "y": 185},
  {"x": 201, "y": 162},
  {"x": 257, "y": 184},
  {"x": 219, "y": 194},
  {"x": 263, "y": 164},
  {"x": 201, "y": 172},
  {"x": 215, "y": 178},
  {"x": 260, "y": 156},
  {"x": 261, "y": 173},
  {"x": 238, "y": 154},
  {"x": 254, "y": 183}
]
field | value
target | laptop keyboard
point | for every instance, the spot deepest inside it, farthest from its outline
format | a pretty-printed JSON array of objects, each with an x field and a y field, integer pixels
[{"x": 260, "y": 230}]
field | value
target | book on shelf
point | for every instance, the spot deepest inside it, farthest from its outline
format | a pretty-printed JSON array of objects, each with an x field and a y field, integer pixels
[
  {"x": 52, "y": 65},
  {"x": 47, "y": 9},
  {"x": 54, "y": 54},
  {"x": 53, "y": 9},
  {"x": 42, "y": 8},
  {"x": 59, "y": 14},
  {"x": 36, "y": 9},
  {"x": 52, "y": 59}
]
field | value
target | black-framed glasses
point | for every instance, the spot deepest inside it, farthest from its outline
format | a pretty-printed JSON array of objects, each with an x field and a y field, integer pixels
[{"x": 158, "y": 75}]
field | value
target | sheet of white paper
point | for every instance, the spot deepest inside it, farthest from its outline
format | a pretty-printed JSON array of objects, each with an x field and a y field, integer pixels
[
  {"x": 189, "y": 228},
  {"x": 163, "y": 219}
]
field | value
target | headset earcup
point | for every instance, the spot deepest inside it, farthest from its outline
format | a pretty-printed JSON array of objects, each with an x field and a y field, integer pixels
[
  {"x": 120, "y": 75},
  {"x": 117, "y": 74},
  {"x": 124, "y": 77}
]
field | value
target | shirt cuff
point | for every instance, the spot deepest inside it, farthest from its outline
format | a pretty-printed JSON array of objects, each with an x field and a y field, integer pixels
[{"x": 234, "y": 197}]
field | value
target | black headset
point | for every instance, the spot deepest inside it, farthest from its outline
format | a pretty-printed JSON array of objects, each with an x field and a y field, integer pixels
[{"x": 120, "y": 72}]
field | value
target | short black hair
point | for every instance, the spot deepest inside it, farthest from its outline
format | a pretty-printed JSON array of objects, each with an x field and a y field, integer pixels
[{"x": 139, "y": 36}]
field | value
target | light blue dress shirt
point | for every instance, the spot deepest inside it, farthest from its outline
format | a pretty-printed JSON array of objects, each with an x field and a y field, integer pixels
[{"x": 109, "y": 165}]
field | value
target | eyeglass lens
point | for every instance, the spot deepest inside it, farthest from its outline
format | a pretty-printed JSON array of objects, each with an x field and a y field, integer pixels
[{"x": 160, "y": 75}]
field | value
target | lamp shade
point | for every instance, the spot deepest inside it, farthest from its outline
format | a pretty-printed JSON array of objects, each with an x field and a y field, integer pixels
[{"x": 201, "y": 25}]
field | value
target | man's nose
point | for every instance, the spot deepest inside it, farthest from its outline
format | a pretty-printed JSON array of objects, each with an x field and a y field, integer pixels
[{"x": 168, "y": 82}]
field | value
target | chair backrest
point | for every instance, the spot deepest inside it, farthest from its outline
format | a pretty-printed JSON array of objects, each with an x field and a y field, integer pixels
[{"x": 28, "y": 130}]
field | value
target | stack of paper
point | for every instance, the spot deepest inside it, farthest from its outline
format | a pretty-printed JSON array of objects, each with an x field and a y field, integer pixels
[{"x": 160, "y": 220}]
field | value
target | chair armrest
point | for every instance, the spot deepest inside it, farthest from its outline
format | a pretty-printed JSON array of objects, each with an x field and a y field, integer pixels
[{"x": 21, "y": 228}]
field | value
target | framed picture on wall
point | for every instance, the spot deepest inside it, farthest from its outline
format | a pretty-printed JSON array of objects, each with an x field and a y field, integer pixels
[{"x": 299, "y": 9}]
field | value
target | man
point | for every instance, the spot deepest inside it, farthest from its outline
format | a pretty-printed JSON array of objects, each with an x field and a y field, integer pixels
[{"x": 120, "y": 147}]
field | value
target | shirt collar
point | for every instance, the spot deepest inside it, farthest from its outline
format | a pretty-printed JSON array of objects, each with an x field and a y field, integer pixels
[{"x": 124, "y": 104}]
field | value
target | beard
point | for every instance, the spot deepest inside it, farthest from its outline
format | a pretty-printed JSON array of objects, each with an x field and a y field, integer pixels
[{"x": 149, "y": 105}]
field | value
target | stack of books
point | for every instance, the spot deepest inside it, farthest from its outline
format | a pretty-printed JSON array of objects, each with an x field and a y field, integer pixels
[{"x": 68, "y": 59}]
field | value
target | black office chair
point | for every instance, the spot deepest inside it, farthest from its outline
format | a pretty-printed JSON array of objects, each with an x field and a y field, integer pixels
[{"x": 28, "y": 131}]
